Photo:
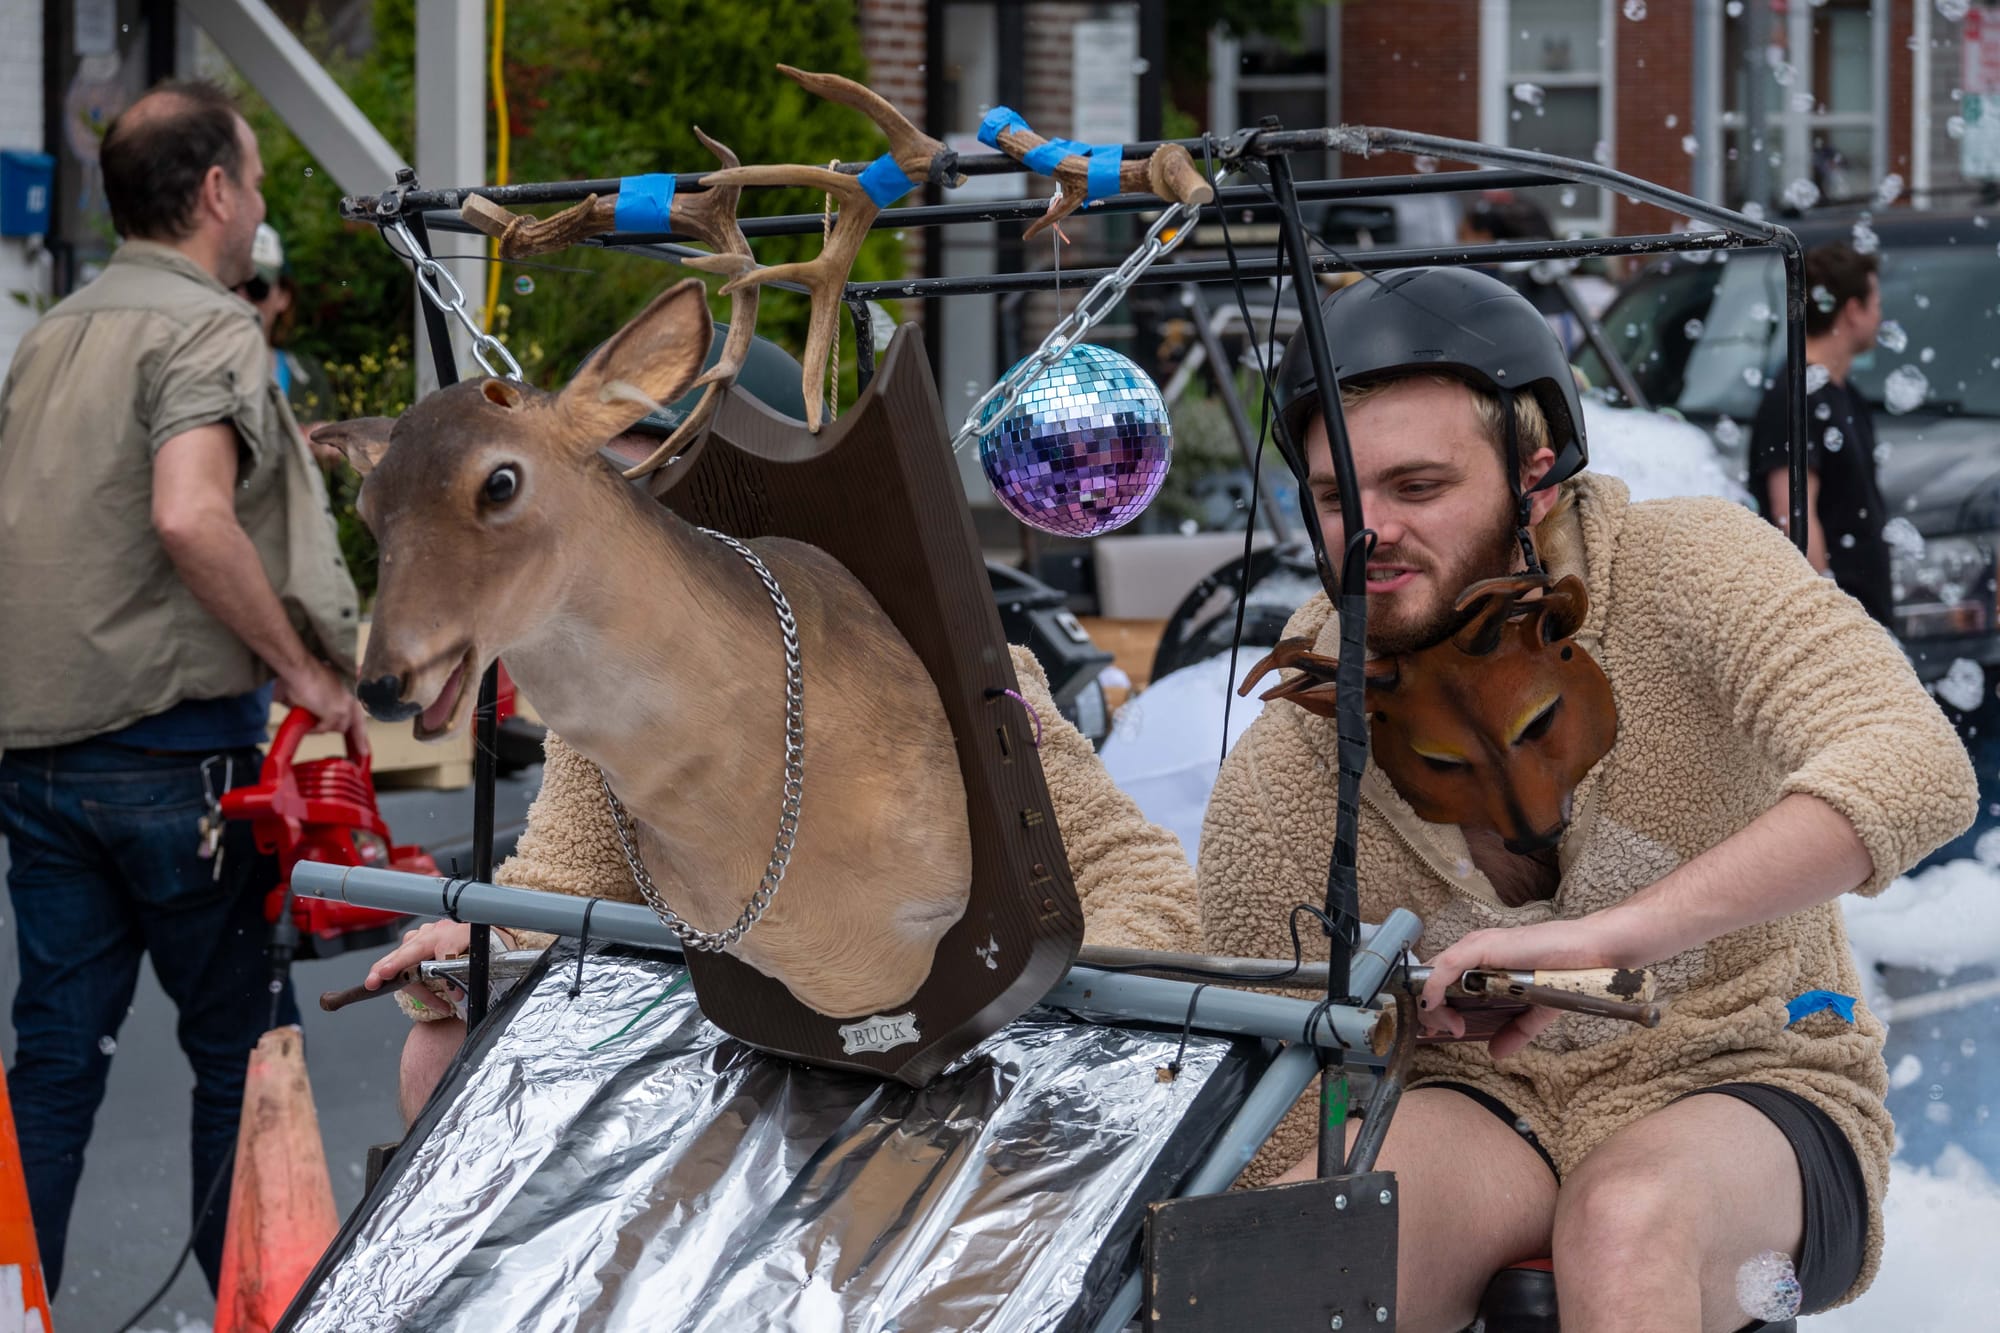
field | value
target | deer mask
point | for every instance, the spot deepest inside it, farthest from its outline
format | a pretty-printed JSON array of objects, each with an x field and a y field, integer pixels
[{"x": 1492, "y": 727}]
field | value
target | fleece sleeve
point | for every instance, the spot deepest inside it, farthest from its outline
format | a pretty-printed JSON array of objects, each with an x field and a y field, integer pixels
[
  {"x": 1131, "y": 875},
  {"x": 1824, "y": 691}
]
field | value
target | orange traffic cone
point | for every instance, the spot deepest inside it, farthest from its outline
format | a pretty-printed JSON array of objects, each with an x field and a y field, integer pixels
[
  {"x": 281, "y": 1215},
  {"x": 24, "y": 1298}
]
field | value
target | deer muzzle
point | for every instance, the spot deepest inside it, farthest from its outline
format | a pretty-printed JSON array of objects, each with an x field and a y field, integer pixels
[{"x": 383, "y": 698}]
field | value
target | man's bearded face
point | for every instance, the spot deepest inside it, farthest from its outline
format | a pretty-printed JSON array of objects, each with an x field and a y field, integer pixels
[{"x": 1434, "y": 490}]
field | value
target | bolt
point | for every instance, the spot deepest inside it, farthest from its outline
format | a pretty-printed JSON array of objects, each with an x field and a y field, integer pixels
[
  {"x": 1385, "y": 1197},
  {"x": 1340, "y": 1201},
  {"x": 1381, "y": 1314}
]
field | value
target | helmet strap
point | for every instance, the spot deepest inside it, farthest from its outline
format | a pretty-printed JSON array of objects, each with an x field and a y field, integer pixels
[{"x": 1523, "y": 503}]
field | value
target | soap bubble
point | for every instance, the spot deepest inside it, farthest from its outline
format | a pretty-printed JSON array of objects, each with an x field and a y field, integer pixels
[
  {"x": 1952, "y": 11},
  {"x": 1424, "y": 163},
  {"x": 1816, "y": 377},
  {"x": 1760, "y": 312},
  {"x": 1689, "y": 144},
  {"x": 1824, "y": 411},
  {"x": 1782, "y": 70},
  {"x": 309, "y": 172},
  {"x": 1833, "y": 440},
  {"x": 1889, "y": 190},
  {"x": 1568, "y": 196},
  {"x": 1635, "y": 10},
  {"x": 108, "y": 1045},
  {"x": 1694, "y": 328},
  {"x": 1802, "y": 194},
  {"x": 1734, "y": 9},
  {"x": 1928, "y": 355},
  {"x": 1767, "y": 1288},
  {"x": 1753, "y": 210},
  {"x": 1802, "y": 103},
  {"x": 1753, "y": 377},
  {"x": 1891, "y": 336},
  {"x": 523, "y": 285},
  {"x": 1529, "y": 94},
  {"x": 1727, "y": 433},
  {"x": 1905, "y": 389},
  {"x": 1866, "y": 242},
  {"x": 1847, "y": 541},
  {"x": 1954, "y": 128},
  {"x": 1673, "y": 121}
]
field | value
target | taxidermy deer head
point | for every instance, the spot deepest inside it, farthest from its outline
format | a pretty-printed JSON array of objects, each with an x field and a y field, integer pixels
[
  {"x": 655, "y": 650},
  {"x": 1493, "y": 727}
]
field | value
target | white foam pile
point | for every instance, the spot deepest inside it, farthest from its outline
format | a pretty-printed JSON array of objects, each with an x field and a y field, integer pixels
[{"x": 1937, "y": 1266}]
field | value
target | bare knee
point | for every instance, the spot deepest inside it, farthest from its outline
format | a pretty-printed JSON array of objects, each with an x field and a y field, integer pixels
[
  {"x": 427, "y": 1053},
  {"x": 1607, "y": 1220}
]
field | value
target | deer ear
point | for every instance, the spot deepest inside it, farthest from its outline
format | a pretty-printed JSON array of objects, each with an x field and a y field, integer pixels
[
  {"x": 363, "y": 440},
  {"x": 1563, "y": 608},
  {"x": 651, "y": 361},
  {"x": 503, "y": 393}
]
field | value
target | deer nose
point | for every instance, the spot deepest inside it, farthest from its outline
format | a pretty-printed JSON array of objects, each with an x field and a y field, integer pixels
[{"x": 383, "y": 698}]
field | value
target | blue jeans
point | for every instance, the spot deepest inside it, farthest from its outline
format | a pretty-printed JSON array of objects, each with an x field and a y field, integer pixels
[{"x": 103, "y": 868}]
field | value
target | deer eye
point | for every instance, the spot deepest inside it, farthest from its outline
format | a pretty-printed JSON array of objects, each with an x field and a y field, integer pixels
[
  {"x": 1543, "y": 720},
  {"x": 1441, "y": 765},
  {"x": 502, "y": 485}
]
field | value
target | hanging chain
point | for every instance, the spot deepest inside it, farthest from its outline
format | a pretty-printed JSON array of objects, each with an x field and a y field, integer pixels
[
  {"x": 691, "y": 936},
  {"x": 430, "y": 273},
  {"x": 1098, "y": 302}
]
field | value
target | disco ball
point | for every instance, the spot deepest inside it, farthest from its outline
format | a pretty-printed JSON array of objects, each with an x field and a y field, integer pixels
[{"x": 1083, "y": 449}]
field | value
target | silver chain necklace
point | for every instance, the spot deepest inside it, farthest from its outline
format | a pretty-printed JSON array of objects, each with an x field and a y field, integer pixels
[{"x": 692, "y": 936}]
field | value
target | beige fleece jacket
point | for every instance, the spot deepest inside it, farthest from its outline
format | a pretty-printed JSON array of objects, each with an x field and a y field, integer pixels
[{"x": 1740, "y": 677}]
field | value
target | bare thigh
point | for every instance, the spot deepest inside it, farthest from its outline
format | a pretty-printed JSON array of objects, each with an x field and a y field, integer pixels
[
  {"x": 427, "y": 1052},
  {"x": 1660, "y": 1218},
  {"x": 1475, "y": 1198}
]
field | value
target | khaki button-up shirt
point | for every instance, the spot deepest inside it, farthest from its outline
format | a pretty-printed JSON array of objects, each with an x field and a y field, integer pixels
[{"x": 97, "y": 630}]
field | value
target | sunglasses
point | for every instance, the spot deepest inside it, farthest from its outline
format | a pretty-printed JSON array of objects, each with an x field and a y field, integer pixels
[{"x": 254, "y": 291}]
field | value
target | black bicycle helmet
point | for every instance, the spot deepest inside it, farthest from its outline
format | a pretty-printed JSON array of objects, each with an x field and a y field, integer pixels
[{"x": 1440, "y": 320}]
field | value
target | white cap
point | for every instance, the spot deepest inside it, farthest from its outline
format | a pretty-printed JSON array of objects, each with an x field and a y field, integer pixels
[{"x": 267, "y": 252}]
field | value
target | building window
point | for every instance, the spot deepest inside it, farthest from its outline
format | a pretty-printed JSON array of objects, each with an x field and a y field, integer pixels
[
  {"x": 1544, "y": 87},
  {"x": 1815, "y": 77},
  {"x": 1297, "y": 82}
]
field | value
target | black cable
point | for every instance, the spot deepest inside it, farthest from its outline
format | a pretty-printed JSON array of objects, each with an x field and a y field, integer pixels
[
  {"x": 1187, "y": 1026},
  {"x": 582, "y": 948},
  {"x": 1263, "y": 429}
]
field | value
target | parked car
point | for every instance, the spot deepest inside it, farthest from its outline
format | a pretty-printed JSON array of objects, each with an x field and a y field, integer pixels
[{"x": 1704, "y": 335}]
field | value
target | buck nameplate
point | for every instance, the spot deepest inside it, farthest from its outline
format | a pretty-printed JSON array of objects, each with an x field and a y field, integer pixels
[
  {"x": 879, "y": 491},
  {"x": 881, "y": 1033}
]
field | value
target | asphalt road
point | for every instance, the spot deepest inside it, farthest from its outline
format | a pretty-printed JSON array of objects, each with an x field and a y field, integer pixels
[{"x": 132, "y": 1208}]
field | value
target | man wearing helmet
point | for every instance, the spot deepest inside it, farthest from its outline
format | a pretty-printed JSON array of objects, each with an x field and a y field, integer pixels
[{"x": 1773, "y": 751}]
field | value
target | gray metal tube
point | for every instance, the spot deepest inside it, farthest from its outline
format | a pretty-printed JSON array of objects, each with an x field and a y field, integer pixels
[
  {"x": 1118, "y": 995},
  {"x": 488, "y": 904}
]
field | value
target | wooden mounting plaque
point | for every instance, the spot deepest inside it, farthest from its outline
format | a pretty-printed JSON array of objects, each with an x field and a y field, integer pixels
[{"x": 879, "y": 490}]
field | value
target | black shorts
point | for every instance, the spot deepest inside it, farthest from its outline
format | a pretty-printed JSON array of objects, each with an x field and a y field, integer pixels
[{"x": 1836, "y": 1196}]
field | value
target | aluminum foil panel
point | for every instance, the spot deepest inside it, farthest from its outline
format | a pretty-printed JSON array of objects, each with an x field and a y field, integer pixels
[{"x": 615, "y": 1162}]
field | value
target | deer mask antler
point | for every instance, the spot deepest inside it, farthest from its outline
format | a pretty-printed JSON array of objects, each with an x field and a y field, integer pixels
[
  {"x": 919, "y": 156},
  {"x": 708, "y": 215}
]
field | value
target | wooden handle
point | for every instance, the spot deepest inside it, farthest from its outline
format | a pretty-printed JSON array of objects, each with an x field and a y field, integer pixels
[
  {"x": 1611, "y": 983},
  {"x": 521, "y": 236},
  {"x": 335, "y": 1000}
]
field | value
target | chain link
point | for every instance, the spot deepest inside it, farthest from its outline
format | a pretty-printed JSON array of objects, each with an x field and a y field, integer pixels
[
  {"x": 429, "y": 274},
  {"x": 1098, "y": 302},
  {"x": 690, "y": 935}
]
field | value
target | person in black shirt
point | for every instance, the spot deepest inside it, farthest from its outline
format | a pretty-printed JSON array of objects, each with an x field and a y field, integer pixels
[{"x": 1844, "y": 509}]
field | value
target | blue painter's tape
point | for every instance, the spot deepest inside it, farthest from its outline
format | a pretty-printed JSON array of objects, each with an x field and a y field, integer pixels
[
  {"x": 1815, "y": 1000},
  {"x": 885, "y": 181},
  {"x": 1044, "y": 159},
  {"x": 998, "y": 119},
  {"x": 1105, "y": 159},
  {"x": 645, "y": 203}
]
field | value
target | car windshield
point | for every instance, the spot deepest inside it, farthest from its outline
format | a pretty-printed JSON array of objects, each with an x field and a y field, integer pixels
[{"x": 1704, "y": 337}]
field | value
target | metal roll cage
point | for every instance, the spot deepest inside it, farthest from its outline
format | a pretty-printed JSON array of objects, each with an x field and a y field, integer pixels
[{"x": 1336, "y": 1029}]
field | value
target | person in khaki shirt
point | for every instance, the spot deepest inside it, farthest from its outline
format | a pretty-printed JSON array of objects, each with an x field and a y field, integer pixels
[{"x": 168, "y": 566}]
